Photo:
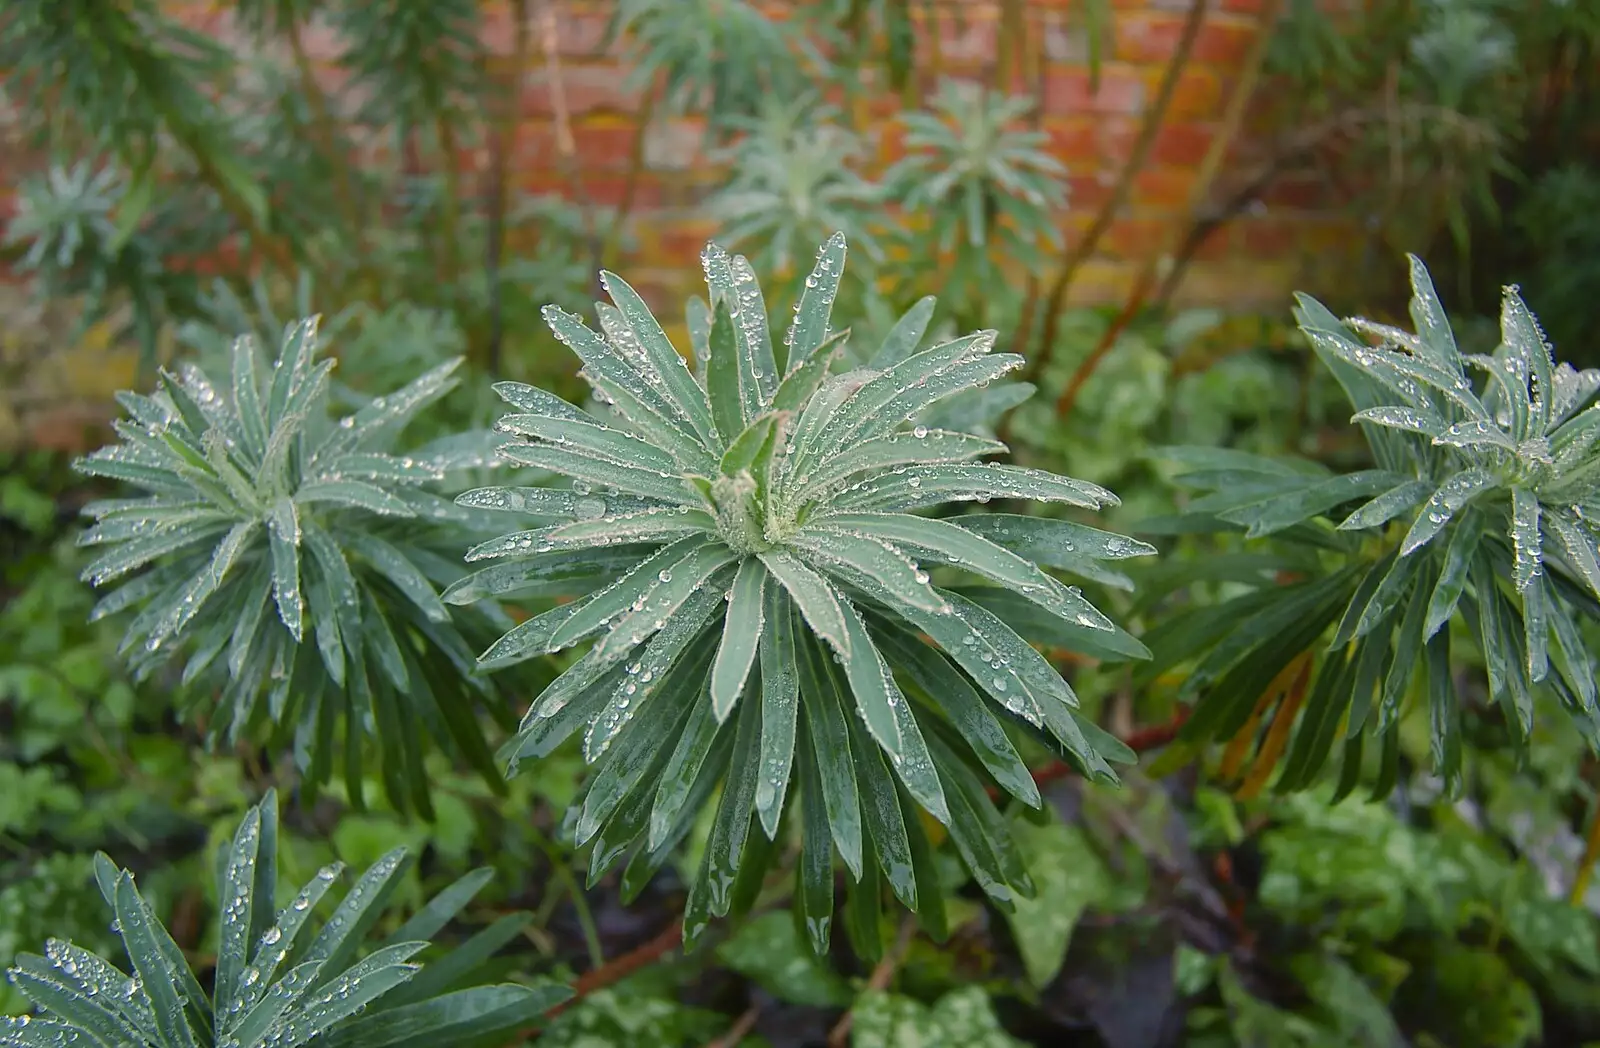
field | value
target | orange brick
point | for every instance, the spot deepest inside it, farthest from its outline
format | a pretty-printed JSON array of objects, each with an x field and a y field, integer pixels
[
  {"x": 1137, "y": 238},
  {"x": 590, "y": 88},
  {"x": 1120, "y": 90},
  {"x": 603, "y": 145},
  {"x": 1216, "y": 244},
  {"x": 1088, "y": 191},
  {"x": 969, "y": 39},
  {"x": 1198, "y": 95},
  {"x": 1163, "y": 188},
  {"x": 1153, "y": 37},
  {"x": 683, "y": 239},
  {"x": 1183, "y": 144},
  {"x": 579, "y": 33},
  {"x": 1102, "y": 141},
  {"x": 607, "y": 191}
]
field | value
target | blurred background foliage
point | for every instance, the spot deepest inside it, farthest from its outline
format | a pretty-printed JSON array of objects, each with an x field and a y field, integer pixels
[{"x": 176, "y": 188}]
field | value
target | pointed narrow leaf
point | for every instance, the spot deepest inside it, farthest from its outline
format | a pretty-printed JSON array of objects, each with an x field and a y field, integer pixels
[
  {"x": 663, "y": 485},
  {"x": 873, "y": 558},
  {"x": 870, "y": 683},
  {"x": 951, "y": 693},
  {"x": 813, "y": 595},
  {"x": 670, "y": 368},
  {"x": 1387, "y": 506},
  {"x": 921, "y": 446},
  {"x": 684, "y": 626},
  {"x": 780, "y": 705},
  {"x": 1526, "y": 544},
  {"x": 829, "y": 729},
  {"x": 906, "y": 335},
  {"x": 928, "y": 485},
  {"x": 1051, "y": 542},
  {"x": 805, "y": 378},
  {"x": 810, "y": 325},
  {"x": 814, "y": 883},
  {"x": 1453, "y": 494},
  {"x": 886, "y": 827},
  {"x": 1458, "y": 558},
  {"x": 741, "y": 634},
  {"x": 731, "y": 281},
  {"x": 284, "y": 535}
]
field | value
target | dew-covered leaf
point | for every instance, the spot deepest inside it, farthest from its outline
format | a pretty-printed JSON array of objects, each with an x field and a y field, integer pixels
[
  {"x": 906, "y": 335},
  {"x": 615, "y": 380},
  {"x": 1578, "y": 547},
  {"x": 595, "y": 439},
  {"x": 1458, "y": 558},
  {"x": 1452, "y": 495},
  {"x": 353, "y": 494},
  {"x": 588, "y": 468},
  {"x": 1434, "y": 337},
  {"x": 284, "y": 540},
  {"x": 1387, "y": 506},
  {"x": 669, "y": 371},
  {"x": 952, "y": 694},
  {"x": 1525, "y": 343},
  {"x": 827, "y": 725},
  {"x": 810, "y": 325},
  {"x": 780, "y": 706},
  {"x": 817, "y": 600},
  {"x": 956, "y": 546},
  {"x": 682, "y": 628},
  {"x": 618, "y": 597},
  {"x": 564, "y": 573},
  {"x": 1052, "y": 542},
  {"x": 920, "y": 446},
  {"x": 906, "y": 382},
  {"x": 805, "y": 378},
  {"x": 922, "y": 486},
  {"x": 1478, "y": 433},
  {"x": 731, "y": 281},
  {"x": 741, "y": 634},
  {"x": 701, "y": 571},
  {"x": 535, "y": 401},
  {"x": 1413, "y": 420},
  {"x": 833, "y": 548}
]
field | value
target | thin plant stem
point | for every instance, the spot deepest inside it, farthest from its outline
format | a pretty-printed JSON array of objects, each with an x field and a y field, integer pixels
[
  {"x": 1085, "y": 247},
  {"x": 1210, "y": 164},
  {"x": 882, "y": 976},
  {"x": 580, "y": 905},
  {"x": 503, "y": 145}
]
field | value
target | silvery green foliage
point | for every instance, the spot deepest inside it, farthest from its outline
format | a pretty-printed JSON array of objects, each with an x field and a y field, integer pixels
[
  {"x": 1480, "y": 506},
  {"x": 279, "y": 982},
  {"x": 794, "y": 179},
  {"x": 727, "y": 56},
  {"x": 293, "y": 560},
  {"x": 982, "y": 177},
  {"x": 763, "y": 607},
  {"x": 988, "y": 190}
]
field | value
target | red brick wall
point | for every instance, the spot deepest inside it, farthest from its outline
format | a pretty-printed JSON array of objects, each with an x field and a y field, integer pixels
[{"x": 1253, "y": 261}]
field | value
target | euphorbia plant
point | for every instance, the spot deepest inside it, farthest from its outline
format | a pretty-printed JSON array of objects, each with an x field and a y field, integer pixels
[
  {"x": 291, "y": 556},
  {"x": 283, "y": 978},
  {"x": 1479, "y": 508},
  {"x": 763, "y": 604}
]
